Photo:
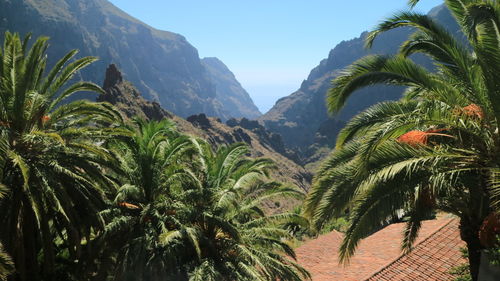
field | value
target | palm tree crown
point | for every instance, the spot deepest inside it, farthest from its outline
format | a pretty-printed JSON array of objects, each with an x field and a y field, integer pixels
[
  {"x": 221, "y": 220},
  {"x": 142, "y": 206},
  {"x": 435, "y": 149},
  {"x": 185, "y": 212},
  {"x": 51, "y": 163}
]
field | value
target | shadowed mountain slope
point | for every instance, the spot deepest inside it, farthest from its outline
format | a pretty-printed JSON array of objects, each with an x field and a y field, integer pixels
[
  {"x": 302, "y": 118},
  {"x": 262, "y": 143},
  {"x": 163, "y": 65}
]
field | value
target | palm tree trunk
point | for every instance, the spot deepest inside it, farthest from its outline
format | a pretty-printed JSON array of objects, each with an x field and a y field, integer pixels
[
  {"x": 14, "y": 237},
  {"x": 48, "y": 249},
  {"x": 474, "y": 249},
  {"x": 469, "y": 232},
  {"x": 30, "y": 245}
]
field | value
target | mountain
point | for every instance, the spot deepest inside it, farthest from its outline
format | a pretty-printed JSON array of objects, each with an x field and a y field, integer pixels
[
  {"x": 125, "y": 96},
  {"x": 302, "y": 119},
  {"x": 262, "y": 143},
  {"x": 163, "y": 65},
  {"x": 235, "y": 100}
]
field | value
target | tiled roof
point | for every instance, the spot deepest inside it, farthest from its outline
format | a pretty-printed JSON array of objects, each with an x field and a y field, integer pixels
[
  {"x": 381, "y": 252},
  {"x": 431, "y": 259}
]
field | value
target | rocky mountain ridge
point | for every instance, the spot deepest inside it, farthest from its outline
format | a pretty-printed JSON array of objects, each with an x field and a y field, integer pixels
[
  {"x": 302, "y": 119},
  {"x": 163, "y": 65},
  {"x": 262, "y": 143}
]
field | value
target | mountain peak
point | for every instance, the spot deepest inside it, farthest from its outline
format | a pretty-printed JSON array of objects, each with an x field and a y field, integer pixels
[
  {"x": 302, "y": 118},
  {"x": 216, "y": 63},
  {"x": 113, "y": 76},
  {"x": 234, "y": 98},
  {"x": 128, "y": 99}
]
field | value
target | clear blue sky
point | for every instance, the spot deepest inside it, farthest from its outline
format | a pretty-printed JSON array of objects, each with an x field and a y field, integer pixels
[{"x": 270, "y": 45}]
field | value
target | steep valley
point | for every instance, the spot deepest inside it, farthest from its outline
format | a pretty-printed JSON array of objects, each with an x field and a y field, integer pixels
[
  {"x": 167, "y": 70},
  {"x": 302, "y": 118}
]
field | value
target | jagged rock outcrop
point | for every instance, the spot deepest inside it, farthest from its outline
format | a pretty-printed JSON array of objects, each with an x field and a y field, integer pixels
[
  {"x": 200, "y": 121},
  {"x": 163, "y": 65},
  {"x": 266, "y": 137},
  {"x": 218, "y": 133},
  {"x": 128, "y": 99},
  {"x": 302, "y": 119}
]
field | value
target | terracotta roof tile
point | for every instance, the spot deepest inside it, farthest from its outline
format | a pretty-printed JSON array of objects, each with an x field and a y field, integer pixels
[
  {"x": 431, "y": 259},
  {"x": 380, "y": 252}
]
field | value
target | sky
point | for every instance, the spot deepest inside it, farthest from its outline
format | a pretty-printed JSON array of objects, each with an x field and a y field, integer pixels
[{"x": 270, "y": 45}]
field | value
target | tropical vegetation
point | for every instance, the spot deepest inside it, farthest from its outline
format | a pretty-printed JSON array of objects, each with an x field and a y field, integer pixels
[
  {"x": 436, "y": 149},
  {"x": 6, "y": 264},
  {"x": 51, "y": 164},
  {"x": 86, "y": 194}
]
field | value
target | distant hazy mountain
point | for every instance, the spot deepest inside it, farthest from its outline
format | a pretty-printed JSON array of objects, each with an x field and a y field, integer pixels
[
  {"x": 163, "y": 65},
  {"x": 302, "y": 119},
  {"x": 235, "y": 100}
]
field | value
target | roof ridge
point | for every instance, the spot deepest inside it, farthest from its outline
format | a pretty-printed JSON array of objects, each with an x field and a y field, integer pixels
[{"x": 450, "y": 220}]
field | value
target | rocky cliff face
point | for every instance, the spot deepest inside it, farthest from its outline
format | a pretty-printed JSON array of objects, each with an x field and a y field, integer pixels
[
  {"x": 127, "y": 98},
  {"x": 262, "y": 143},
  {"x": 267, "y": 138},
  {"x": 218, "y": 133},
  {"x": 163, "y": 65},
  {"x": 302, "y": 117},
  {"x": 235, "y": 100}
]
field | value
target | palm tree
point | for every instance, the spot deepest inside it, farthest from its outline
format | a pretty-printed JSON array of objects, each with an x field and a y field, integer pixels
[
  {"x": 184, "y": 212},
  {"x": 436, "y": 149},
  {"x": 52, "y": 164},
  {"x": 142, "y": 204},
  {"x": 221, "y": 231},
  {"x": 6, "y": 264}
]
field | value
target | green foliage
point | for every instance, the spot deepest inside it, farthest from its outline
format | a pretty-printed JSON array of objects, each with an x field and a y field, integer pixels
[
  {"x": 85, "y": 195},
  {"x": 435, "y": 149},
  {"x": 50, "y": 161},
  {"x": 220, "y": 218},
  {"x": 461, "y": 272},
  {"x": 338, "y": 224},
  {"x": 6, "y": 264},
  {"x": 185, "y": 212},
  {"x": 494, "y": 253}
]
